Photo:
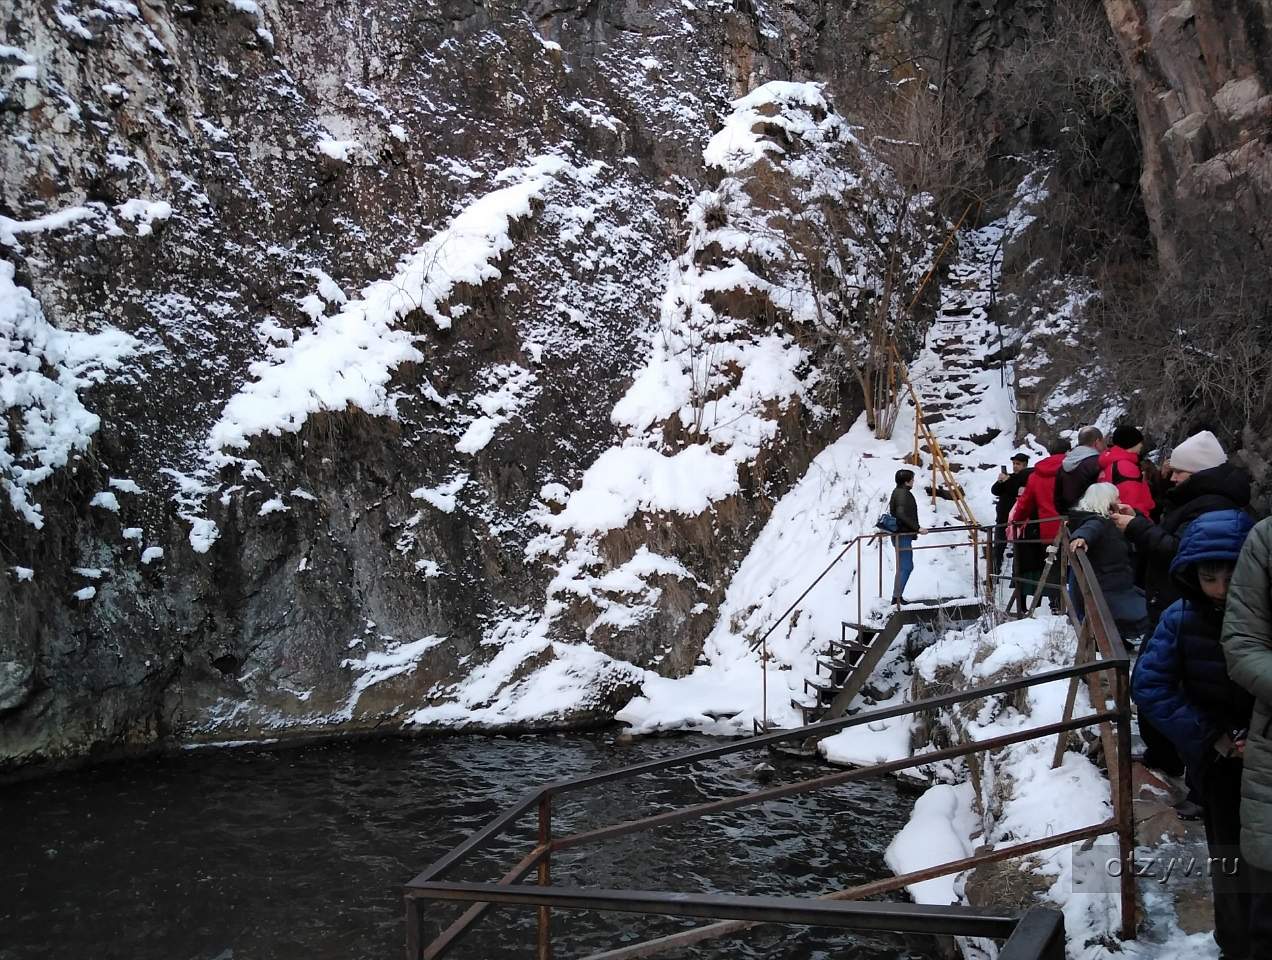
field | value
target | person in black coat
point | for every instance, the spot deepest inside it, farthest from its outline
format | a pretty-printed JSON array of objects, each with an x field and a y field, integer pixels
[
  {"x": 1006, "y": 490},
  {"x": 1094, "y": 532},
  {"x": 905, "y": 509},
  {"x": 1203, "y": 481}
]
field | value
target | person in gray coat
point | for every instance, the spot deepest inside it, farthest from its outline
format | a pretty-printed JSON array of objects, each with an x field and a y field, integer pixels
[{"x": 1247, "y": 646}]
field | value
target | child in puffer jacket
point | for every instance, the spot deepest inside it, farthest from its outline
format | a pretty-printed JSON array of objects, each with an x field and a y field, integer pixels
[{"x": 1181, "y": 685}]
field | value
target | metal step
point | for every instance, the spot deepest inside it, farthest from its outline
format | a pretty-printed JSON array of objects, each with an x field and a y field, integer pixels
[
  {"x": 821, "y": 690},
  {"x": 834, "y": 666},
  {"x": 800, "y": 749},
  {"x": 811, "y": 714}
]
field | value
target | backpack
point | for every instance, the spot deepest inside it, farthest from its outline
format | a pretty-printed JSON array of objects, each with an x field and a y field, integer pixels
[{"x": 887, "y": 522}]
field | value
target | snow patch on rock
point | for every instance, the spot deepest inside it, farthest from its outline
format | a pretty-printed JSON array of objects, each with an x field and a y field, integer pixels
[
  {"x": 43, "y": 370},
  {"x": 348, "y": 359}
]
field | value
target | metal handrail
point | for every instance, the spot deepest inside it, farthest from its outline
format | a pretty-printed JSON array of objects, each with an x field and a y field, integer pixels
[
  {"x": 879, "y": 536},
  {"x": 424, "y": 887},
  {"x": 1100, "y": 652}
]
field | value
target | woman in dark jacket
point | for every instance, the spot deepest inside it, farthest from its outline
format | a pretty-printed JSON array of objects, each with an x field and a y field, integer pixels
[
  {"x": 1203, "y": 481},
  {"x": 1094, "y": 531}
]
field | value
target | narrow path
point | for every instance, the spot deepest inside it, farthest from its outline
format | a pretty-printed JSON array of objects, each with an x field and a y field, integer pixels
[{"x": 966, "y": 399}]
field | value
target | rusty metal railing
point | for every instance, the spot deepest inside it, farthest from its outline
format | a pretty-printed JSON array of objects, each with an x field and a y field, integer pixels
[
  {"x": 1101, "y": 664},
  {"x": 431, "y": 884}
]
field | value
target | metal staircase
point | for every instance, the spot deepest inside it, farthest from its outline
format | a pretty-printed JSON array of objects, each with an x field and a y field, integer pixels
[{"x": 845, "y": 668}]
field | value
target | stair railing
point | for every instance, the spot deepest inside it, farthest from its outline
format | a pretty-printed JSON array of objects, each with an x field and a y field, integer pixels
[
  {"x": 977, "y": 540},
  {"x": 888, "y": 406},
  {"x": 940, "y": 462}
]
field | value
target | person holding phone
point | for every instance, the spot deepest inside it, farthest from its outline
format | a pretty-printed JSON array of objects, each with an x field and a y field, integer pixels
[{"x": 1006, "y": 490}]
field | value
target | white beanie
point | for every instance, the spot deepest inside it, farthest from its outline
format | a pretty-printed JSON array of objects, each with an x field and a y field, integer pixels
[{"x": 1199, "y": 452}]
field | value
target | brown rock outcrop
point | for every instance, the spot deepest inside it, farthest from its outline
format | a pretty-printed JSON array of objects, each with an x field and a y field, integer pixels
[{"x": 1202, "y": 75}]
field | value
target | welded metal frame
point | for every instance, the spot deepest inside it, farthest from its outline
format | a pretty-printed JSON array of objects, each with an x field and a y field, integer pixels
[{"x": 738, "y": 913}]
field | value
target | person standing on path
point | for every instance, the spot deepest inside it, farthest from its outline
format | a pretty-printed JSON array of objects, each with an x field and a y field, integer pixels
[
  {"x": 1120, "y": 466},
  {"x": 1080, "y": 469},
  {"x": 1094, "y": 533},
  {"x": 1006, "y": 490},
  {"x": 1203, "y": 481},
  {"x": 905, "y": 509},
  {"x": 1182, "y": 684},
  {"x": 1247, "y": 645},
  {"x": 1035, "y": 518}
]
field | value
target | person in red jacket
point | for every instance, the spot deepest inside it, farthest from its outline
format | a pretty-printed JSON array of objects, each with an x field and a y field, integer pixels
[
  {"x": 1038, "y": 500},
  {"x": 1032, "y": 517},
  {"x": 1120, "y": 466}
]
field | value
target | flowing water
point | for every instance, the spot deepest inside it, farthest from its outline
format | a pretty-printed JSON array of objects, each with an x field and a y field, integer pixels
[{"x": 301, "y": 853}]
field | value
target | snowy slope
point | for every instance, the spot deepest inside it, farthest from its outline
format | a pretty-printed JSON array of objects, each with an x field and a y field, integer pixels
[{"x": 838, "y": 499}]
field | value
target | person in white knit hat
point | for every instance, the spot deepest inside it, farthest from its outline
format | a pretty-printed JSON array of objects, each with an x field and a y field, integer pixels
[
  {"x": 1199, "y": 452},
  {"x": 1203, "y": 480}
]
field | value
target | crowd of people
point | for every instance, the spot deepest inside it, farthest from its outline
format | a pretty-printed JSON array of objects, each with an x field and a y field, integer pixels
[{"x": 1187, "y": 575}]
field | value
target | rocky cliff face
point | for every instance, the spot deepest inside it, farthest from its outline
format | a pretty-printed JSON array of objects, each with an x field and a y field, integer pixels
[
  {"x": 351, "y": 360},
  {"x": 313, "y": 321},
  {"x": 1202, "y": 76},
  {"x": 196, "y": 194}
]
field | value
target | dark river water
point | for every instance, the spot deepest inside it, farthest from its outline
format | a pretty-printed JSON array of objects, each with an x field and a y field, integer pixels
[{"x": 301, "y": 853}]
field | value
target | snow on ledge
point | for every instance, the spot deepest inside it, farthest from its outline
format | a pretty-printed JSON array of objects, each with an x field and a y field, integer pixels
[
  {"x": 342, "y": 151},
  {"x": 780, "y": 103},
  {"x": 443, "y": 497},
  {"x": 940, "y": 831},
  {"x": 378, "y": 666},
  {"x": 144, "y": 213},
  {"x": 625, "y": 480},
  {"x": 348, "y": 359}
]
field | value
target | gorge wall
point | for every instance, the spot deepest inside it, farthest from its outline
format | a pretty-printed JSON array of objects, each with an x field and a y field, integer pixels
[{"x": 352, "y": 359}]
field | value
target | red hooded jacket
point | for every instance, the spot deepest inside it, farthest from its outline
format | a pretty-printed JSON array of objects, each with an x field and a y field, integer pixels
[
  {"x": 1038, "y": 499},
  {"x": 1121, "y": 468}
]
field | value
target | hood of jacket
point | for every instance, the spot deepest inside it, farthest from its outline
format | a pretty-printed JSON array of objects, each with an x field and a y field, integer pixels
[
  {"x": 1077, "y": 455},
  {"x": 1217, "y": 535},
  {"x": 1224, "y": 480},
  {"x": 1049, "y": 466},
  {"x": 1119, "y": 455}
]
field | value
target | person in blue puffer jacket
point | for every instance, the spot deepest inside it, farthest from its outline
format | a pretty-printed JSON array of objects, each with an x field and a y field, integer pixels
[{"x": 1181, "y": 685}]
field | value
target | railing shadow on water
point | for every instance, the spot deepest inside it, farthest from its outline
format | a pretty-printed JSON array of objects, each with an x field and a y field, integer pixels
[{"x": 1101, "y": 663}]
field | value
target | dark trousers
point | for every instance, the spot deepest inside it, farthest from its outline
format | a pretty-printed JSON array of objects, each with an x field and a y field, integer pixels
[
  {"x": 1000, "y": 545},
  {"x": 1242, "y": 891},
  {"x": 1159, "y": 752}
]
